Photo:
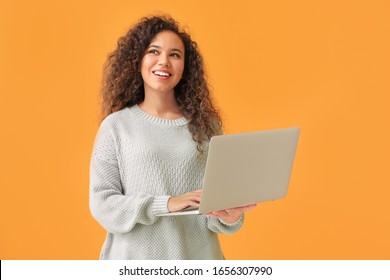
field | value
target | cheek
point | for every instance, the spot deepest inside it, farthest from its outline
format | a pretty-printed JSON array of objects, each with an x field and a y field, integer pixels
[
  {"x": 145, "y": 66},
  {"x": 146, "y": 62}
]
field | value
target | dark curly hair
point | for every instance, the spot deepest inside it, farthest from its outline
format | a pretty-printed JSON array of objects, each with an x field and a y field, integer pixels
[{"x": 123, "y": 85}]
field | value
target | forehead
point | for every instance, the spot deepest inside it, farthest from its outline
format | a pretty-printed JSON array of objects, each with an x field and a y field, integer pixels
[{"x": 168, "y": 39}]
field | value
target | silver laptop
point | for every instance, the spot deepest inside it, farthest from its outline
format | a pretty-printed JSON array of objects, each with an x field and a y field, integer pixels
[{"x": 246, "y": 168}]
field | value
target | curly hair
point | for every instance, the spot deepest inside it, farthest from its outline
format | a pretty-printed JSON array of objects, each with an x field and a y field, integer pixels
[{"x": 122, "y": 84}]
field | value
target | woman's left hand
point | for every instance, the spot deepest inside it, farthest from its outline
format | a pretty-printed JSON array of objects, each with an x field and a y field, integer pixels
[{"x": 231, "y": 215}]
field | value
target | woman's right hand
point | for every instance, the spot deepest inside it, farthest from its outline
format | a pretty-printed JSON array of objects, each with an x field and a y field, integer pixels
[{"x": 180, "y": 202}]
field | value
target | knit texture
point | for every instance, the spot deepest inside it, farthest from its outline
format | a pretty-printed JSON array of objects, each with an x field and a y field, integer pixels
[{"x": 138, "y": 162}]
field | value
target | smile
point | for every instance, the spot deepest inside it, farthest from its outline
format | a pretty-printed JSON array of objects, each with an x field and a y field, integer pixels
[{"x": 162, "y": 73}]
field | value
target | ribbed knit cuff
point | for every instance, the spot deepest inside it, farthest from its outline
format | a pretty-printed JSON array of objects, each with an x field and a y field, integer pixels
[
  {"x": 233, "y": 224},
  {"x": 160, "y": 204}
]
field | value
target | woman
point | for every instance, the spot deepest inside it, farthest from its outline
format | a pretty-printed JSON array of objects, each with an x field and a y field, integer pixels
[{"x": 151, "y": 148}]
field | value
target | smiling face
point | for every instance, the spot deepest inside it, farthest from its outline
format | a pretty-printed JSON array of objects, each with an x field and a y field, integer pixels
[{"x": 163, "y": 63}]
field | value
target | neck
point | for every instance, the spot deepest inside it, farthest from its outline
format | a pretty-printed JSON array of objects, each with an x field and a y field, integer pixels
[{"x": 161, "y": 106}]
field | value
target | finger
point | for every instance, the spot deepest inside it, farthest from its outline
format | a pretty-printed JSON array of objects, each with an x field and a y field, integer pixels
[
  {"x": 193, "y": 201},
  {"x": 194, "y": 193},
  {"x": 249, "y": 207},
  {"x": 185, "y": 205},
  {"x": 181, "y": 202},
  {"x": 196, "y": 198},
  {"x": 193, "y": 198},
  {"x": 219, "y": 214}
]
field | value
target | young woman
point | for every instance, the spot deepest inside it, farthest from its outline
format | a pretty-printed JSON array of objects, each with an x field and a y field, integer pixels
[{"x": 151, "y": 148}]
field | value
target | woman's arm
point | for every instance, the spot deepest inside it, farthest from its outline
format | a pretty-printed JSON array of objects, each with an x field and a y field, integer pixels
[
  {"x": 228, "y": 221},
  {"x": 116, "y": 212}
]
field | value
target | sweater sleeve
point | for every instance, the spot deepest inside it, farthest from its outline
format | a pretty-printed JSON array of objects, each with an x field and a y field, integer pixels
[
  {"x": 219, "y": 226},
  {"x": 116, "y": 212}
]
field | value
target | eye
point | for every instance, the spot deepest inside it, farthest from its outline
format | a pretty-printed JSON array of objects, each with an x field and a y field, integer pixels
[
  {"x": 175, "y": 55},
  {"x": 153, "y": 51}
]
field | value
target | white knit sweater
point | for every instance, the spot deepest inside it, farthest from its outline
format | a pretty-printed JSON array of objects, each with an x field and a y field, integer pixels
[{"x": 138, "y": 162}]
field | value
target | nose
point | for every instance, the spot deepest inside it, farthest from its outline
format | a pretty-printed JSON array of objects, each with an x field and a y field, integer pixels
[{"x": 163, "y": 60}]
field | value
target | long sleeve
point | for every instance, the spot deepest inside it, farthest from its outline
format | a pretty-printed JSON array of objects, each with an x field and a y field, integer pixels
[
  {"x": 116, "y": 212},
  {"x": 219, "y": 226}
]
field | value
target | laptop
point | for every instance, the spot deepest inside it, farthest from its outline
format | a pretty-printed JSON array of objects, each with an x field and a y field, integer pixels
[{"x": 246, "y": 168}]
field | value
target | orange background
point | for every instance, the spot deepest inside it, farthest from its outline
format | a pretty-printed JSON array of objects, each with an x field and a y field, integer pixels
[{"x": 319, "y": 65}]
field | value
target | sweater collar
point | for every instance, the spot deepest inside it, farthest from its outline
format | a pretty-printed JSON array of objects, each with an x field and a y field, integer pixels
[{"x": 159, "y": 121}]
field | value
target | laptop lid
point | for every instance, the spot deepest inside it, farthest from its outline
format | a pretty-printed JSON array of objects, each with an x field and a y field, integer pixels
[{"x": 248, "y": 168}]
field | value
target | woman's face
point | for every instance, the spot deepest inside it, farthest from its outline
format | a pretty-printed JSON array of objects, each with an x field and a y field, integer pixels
[{"x": 163, "y": 63}]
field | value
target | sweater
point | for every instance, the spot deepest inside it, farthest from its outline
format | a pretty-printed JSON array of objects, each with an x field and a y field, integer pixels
[{"x": 138, "y": 162}]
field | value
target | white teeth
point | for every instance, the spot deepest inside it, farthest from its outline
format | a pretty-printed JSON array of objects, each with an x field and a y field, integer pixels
[{"x": 164, "y": 74}]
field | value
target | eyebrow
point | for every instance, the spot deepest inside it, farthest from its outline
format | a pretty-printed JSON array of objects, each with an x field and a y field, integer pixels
[{"x": 158, "y": 47}]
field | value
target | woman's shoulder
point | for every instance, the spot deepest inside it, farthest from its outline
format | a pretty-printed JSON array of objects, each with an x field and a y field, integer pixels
[
  {"x": 119, "y": 116},
  {"x": 114, "y": 122}
]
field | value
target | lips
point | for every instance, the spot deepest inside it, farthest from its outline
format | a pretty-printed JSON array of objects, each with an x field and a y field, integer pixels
[{"x": 162, "y": 73}]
